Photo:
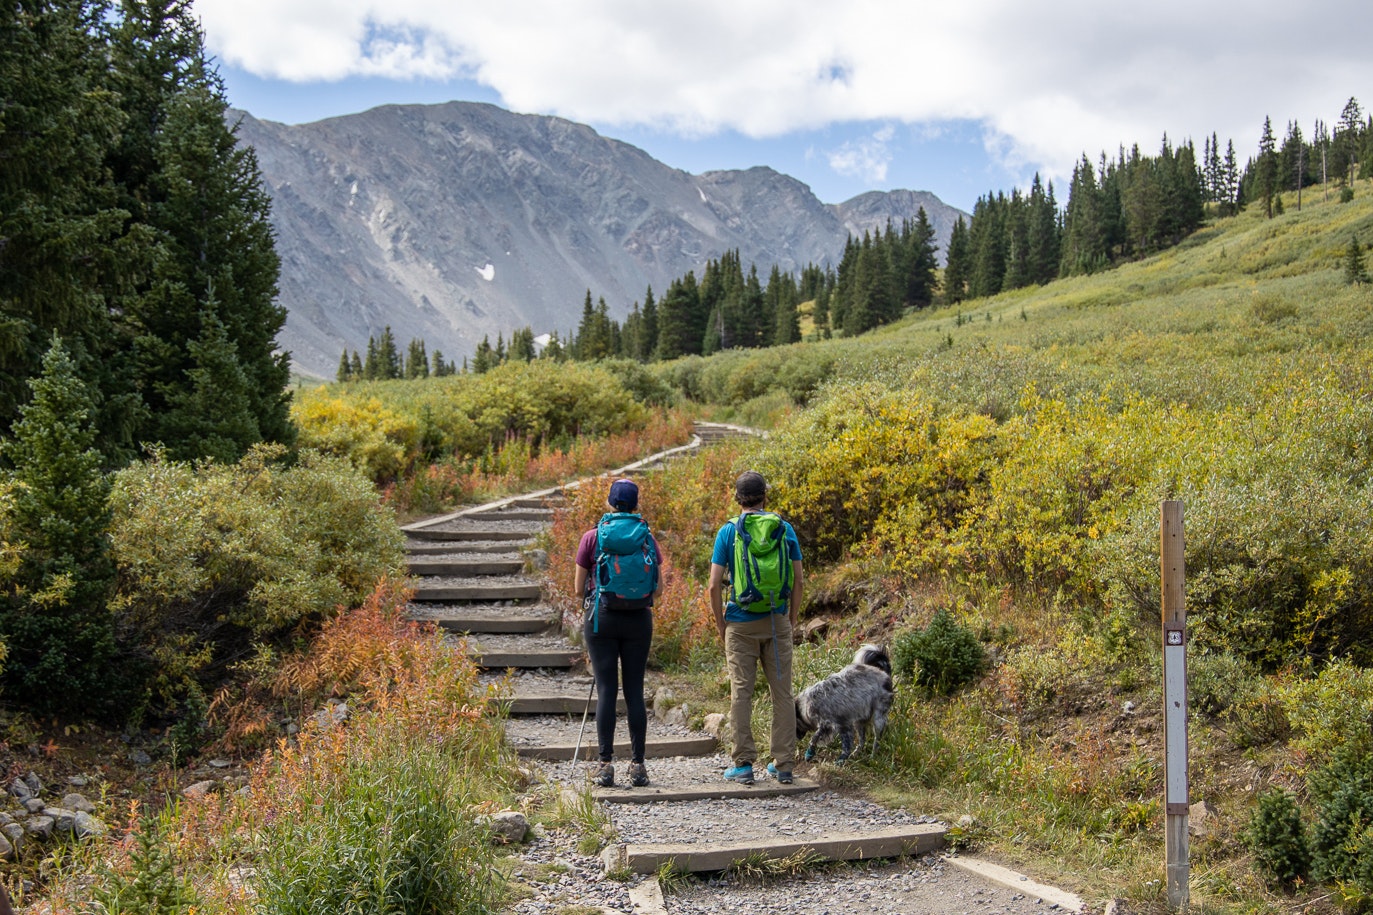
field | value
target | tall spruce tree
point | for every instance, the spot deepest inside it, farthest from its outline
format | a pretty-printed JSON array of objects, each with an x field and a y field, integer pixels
[
  {"x": 1266, "y": 168},
  {"x": 957, "y": 264},
  {"x": 198, "y": 213},
  {"x": 60, "y": 222}
]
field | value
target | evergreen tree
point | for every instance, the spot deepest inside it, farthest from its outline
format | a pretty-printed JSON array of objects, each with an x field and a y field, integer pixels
[
  {"x": 388, "y": 357},
  {"x": 60, "y": 635},
  {"x": 198, "y": 215},
  {"x": 648, "y": 336},
  {"x": 1347, "y": 144},
  {"x": 1355, "y": 273},
  {"x": 212, "y": 417},
  {"x": 374, "y": 367},
  {"x": 522, "y": 345},
  {"x": 416, "y": 360},
  {"x": 1266, "y": 168},
  {"x": 677, "y": 330},
  {"x": 344, "y": 372},
  {"x": 355, "y": 369},
  {"x": 919, "y": 261},
  {"x": 484, "y": 360},
  {"x": 957, "y": 264},
  {"x": 439, "y": 368},
  {"x": 987, "y": 240},
  {"x": 59, "y": 219}
]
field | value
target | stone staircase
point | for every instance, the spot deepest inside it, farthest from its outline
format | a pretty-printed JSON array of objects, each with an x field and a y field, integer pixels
[{"x": 474, "y": 580}]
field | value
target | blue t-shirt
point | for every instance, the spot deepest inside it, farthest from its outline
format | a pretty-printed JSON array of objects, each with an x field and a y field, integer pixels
[{"x": 723, "y": 555}]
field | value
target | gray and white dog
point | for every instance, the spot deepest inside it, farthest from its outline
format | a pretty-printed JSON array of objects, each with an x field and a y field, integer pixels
[{"x": 848, "y": 702}]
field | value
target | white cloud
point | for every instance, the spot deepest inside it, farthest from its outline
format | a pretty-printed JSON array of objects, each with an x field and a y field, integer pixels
[
  {"x": 1048, "y": 84},
  {"x": 867, "y": 158}
]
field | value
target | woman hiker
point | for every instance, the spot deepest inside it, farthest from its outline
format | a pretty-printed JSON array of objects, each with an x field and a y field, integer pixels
[{"x": 617, "y": 575}]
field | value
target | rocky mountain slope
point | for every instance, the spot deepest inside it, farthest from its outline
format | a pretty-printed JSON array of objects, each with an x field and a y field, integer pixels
[{"x": 451, "y": 222}]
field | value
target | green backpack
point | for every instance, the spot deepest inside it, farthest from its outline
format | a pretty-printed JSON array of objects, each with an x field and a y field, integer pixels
[{"x": 761, "y": 570}]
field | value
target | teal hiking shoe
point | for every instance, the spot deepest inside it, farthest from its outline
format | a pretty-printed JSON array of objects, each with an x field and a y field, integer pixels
[
  {"x": 783, "y": 776},
  {"x": 741, "y": 774}
]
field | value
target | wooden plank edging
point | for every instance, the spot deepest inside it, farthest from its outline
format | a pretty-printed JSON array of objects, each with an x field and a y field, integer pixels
[{"x": 893, "y": 842}]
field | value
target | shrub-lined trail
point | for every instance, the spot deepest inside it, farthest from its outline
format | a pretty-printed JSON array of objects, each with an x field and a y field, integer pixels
[{"x": 470, "y": 581}]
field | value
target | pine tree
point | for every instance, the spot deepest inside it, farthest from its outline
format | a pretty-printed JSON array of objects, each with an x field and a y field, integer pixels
[
  {"x": 211, "y": 416},
  {"x": 62, "y": 649},
  {"x": 1347, "y": 144},
  {"x": 344, "y": 372},
  {"x": 1266, "y": 168},
  {"x": 957, "y": 264},
  {"x": 355, "y": 369},
  {"x": 198, "y": 215},
  {"x": 648, "y": 337},
  {"x": 1355, "y": 273},
  {"x": 59, "y": 219}
]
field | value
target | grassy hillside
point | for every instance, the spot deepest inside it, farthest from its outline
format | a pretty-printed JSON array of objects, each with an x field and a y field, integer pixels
[{"x": 991, "y": 474}]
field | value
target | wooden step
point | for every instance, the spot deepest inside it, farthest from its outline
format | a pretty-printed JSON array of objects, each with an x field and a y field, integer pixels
[
  {"x": 893, "y": 842},
  {"x": 476, "y": 591},
  {"x": 466, "y": 534},
  {"x": 715, "y": 790},
  {"x": 511, "y": 514},
  {"x": 438, "y": 547},
  {"x": 659, "y": 748},
  {"x": 556, "y": 704},
  {"x": 468, "y": 567},
  {"x": 486, "y": 619},
  {"x": 527, "y": 660}
]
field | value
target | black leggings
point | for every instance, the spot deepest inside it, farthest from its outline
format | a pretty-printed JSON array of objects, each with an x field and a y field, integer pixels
[{"x": 622, "y": 641}]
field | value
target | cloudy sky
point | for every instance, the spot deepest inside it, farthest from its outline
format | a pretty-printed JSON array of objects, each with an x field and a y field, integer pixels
[{"x": 959, "y": 98}]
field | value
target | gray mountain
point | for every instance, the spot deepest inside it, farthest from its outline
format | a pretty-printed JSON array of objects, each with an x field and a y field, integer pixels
[{"x": 453, "y": 222}]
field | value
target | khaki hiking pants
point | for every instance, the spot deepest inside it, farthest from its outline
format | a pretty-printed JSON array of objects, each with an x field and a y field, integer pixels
[{"x": 767, "y": 639}]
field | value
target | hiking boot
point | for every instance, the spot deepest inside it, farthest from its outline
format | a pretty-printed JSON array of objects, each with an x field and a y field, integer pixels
[
  {"x": 783, "y": 776},
  {"x": 638, "y": 775},
  {"x": 604, "y": 777},
  {"x": 741, "y": 774}
]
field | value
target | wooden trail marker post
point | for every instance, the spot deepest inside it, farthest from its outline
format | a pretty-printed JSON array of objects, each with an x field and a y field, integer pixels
[{"x": 1175, "y": 792}]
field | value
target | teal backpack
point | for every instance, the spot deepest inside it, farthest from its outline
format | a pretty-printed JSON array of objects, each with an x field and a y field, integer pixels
[
  {"x": 626, "y": 563},
  {"x": 761, "y": 571}
]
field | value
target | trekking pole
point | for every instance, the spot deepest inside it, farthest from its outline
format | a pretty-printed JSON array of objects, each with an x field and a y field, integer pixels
[{"x": 585, "y": 714}]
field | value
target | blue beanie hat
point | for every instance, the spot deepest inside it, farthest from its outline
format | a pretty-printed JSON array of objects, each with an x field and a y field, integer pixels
[{"x": 624, "y": 495}]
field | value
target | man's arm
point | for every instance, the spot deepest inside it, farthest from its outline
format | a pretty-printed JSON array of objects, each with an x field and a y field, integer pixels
[
  {"x": 798, "y": 587},
  {"x": 717, "y": 597}
]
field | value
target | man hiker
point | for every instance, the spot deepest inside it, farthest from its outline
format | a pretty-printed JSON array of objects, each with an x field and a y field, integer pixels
[
  {"x": 618, "y": 564},
  {"x": 758, "y": 556}
]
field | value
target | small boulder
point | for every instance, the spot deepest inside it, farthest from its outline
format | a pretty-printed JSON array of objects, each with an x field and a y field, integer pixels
[
  {"x": 77, "y": 802},
  {"x": 6, "y": 849},
  {"x": 199, "y": 790},
  {"x": 509, "y": 827},
  {"x": 662, "y": 702},
  {"x": 88, "y": 827},
  {"x": 40, "y": 827},
  {"x": 34, "y": 805},
  {"x": 715, "y": 725},
  {"x": 64, "y": 820},
  {"x": 677, "y": 715},
  {"x": 1202, "y": 817}
]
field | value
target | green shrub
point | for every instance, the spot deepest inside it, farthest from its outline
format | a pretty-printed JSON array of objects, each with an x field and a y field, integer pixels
[
  {"x": 1327, "y": 710},
  {"x": 942, "y": 657},
  {"x": 212, "y": 556},
  {"x": 1217, "y": 681},
  {"x": 1342, "y": 838},
  {"x": 1277, "y": 839}
]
